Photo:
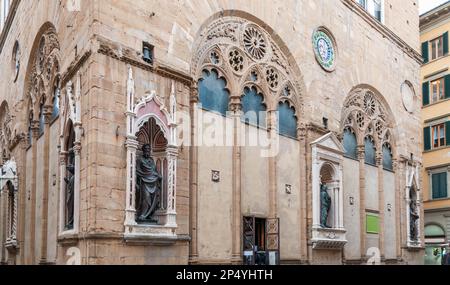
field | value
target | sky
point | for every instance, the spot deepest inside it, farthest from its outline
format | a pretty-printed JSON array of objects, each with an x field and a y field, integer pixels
[{"x": 427, "y": 5}]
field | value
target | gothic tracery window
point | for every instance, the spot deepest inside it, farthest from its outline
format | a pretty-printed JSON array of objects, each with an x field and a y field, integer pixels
[
  {"x": 213, "y": 93},
  {"x": 56, "y": 100},
  {"x": 350, "y": 143},
  {"x": 287, "y": 120},
  {"x": 236, "y": 54},
  {"x": 387, "y": 157},
  {"x": 370, "y": 151},
  {"x": 253, "y": 107}
]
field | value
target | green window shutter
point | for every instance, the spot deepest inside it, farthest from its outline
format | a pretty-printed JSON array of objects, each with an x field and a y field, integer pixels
[
  {"x": 426, "y": 93},
  {"x": 445, "y": 38},
  {"x": 435, "y": 185},
  {"x": 443, "y": 185},
  {"x": 425, "y": 52},
  {"x": 447, "y": 132},
  {"x": 427, "y": 138},
  {"x": 447, "y": 86}
]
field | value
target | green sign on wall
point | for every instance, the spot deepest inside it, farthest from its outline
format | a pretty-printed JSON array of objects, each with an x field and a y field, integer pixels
[{"x": 373, "y": 224}]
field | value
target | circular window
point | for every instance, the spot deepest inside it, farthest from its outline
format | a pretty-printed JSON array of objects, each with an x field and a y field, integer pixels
[{"x": 324, "y": 49}]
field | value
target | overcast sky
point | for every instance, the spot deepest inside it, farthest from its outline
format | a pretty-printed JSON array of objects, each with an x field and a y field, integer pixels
[{"x": 427, "y": 5}]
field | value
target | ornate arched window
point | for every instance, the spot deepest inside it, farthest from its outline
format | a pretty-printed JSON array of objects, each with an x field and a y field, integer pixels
[
  {"x": 287, "y": 120},
  {"x": 258, "y": 74},
  {"x": 387, "y": 157},
  {"x": 213, "y": 93},
  {"x": 253, "y": 107},
  {"x": 369, "y": 151},
  {"x": 350, "y": 144}
]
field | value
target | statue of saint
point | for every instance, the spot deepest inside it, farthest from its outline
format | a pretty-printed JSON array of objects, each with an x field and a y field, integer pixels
[
  {"x": 325, "y": 205},
  {"x": 413, "y": 218},
  {"x": 148, "y": 186},
  {"x": 70, "y": 187}
]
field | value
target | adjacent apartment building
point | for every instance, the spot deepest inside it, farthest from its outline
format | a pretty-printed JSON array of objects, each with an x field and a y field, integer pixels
[{"x": 435, "y": 75}]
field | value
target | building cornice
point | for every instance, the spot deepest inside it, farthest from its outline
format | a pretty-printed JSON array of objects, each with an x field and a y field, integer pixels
[
  {"x": 434, "y": 16},
  {"x": 8, "y": 23},
  {"x": 383, "y": 30}
]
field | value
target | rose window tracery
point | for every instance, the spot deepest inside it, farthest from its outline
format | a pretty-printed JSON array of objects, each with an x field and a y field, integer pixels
[
  {"x": 255, "y": 43},
  {"x": 369, "y": 104}
]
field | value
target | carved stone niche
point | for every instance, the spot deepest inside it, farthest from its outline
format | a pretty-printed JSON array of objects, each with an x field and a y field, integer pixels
[
  {"x": 9, "y": 185},
  {"x": 413, "y": 207},
  {"x": 149, "y": 121},
  {"x": 327, "y": 168}
]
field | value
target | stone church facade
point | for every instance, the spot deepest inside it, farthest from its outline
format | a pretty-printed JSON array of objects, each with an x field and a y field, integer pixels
[{"x": 284, "y": 132}]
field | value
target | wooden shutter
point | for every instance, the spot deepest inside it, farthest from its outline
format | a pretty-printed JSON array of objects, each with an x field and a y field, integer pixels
[
  {"x": 273, "y": 241},
  {"x": 445, "y": 39},
  {"x": 249, "y": 240},
  {"x": 443, "y": 185},
  {"x": 426, "y": 93},
  {"x": 447, "y": 132},
  {"x": 447, "y": 86},
  {"x": 427, "y": 138},
  {"x": 425, "y": 52}
]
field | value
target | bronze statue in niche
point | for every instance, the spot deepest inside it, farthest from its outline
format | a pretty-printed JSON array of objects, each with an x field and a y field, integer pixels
[
  {"x": 70, "y": 189},
  {"x": 148, "y": 187},
  {"x": 325, "y": 205}
]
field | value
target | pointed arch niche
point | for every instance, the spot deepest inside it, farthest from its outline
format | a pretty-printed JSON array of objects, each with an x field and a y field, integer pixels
[
  {"x": 71, "y": 130},
  {"x": 9, "y": 185},
  {"x": 149, "y": 121}
]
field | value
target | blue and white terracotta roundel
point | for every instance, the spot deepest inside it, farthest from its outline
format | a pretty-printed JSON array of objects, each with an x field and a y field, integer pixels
[{"x": 324, "y": 50}]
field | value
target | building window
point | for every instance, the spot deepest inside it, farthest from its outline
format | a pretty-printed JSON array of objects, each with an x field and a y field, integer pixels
[
  {"x": 56, "y": 99},
  {"x": 213, "y": 93},
  {"x": 437, "y": 48},
  {"x": 370, "y": 151},
  {"x": 439, "y": 185},
  {"x": 350, "y": 144},
  {"x": 438, "y": 135},
  {"x": 287, "y": 120},
  {"x": 254, "y": 110},
  {"x": 437, "y": 90},
  {"x": 41, "y": 119},
  {"x": 373, "y": 7},
  {"x": 4, "y": 10},
  {"x": 387, "y": 157}
]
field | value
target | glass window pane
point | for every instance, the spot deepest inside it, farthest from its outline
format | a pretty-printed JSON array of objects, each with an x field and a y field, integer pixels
[
  {"x": 254, "y": 110},
  {"x": 350, "y": 144},
  {"x": 387, "y": 158},
  {"x": 287, "y": 120},
  {"x": 370, "y": 151},
  {"x": 213, "y": 93}
]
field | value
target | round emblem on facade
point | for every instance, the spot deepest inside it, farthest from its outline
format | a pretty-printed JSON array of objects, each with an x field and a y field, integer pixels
[
  {"x": 408, "y": 97},
  {"x": 324, "y": 49}
]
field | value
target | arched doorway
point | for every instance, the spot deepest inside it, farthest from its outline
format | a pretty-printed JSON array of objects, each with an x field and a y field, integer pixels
[{"x": 435, "y": 244}]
